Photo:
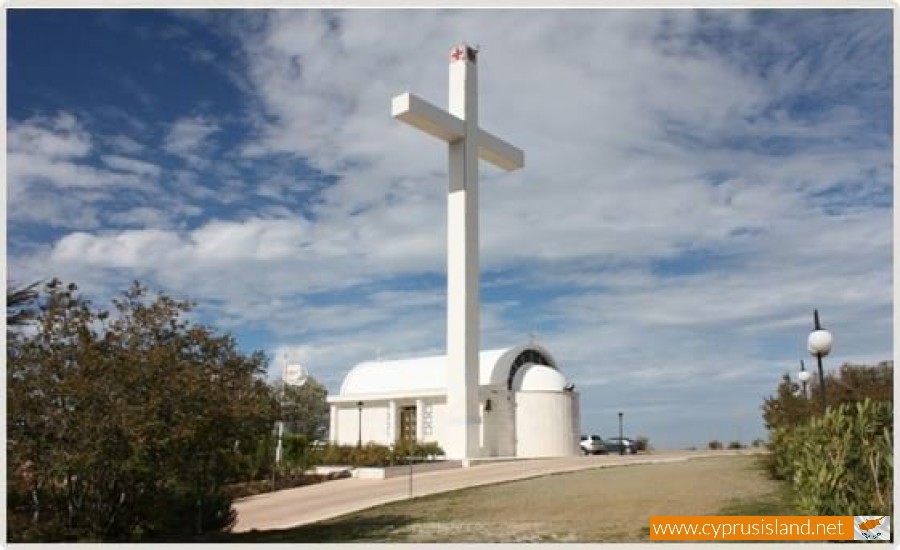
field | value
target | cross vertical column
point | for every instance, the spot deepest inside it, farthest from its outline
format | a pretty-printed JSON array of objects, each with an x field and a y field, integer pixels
[
  {"x": 463, "y": 324},
  {"x": 466, "y": 144}
]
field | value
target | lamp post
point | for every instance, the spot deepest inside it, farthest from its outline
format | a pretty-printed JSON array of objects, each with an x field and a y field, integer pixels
[
  {"x": 621, "y": 437},
  {"x": 819, "y": 345},
  {"x": 804, "y": 378},
  {"x": 291, "y": 375},
  {"x": 359, "y": 406},
  {"x": 280, "y": 427}
]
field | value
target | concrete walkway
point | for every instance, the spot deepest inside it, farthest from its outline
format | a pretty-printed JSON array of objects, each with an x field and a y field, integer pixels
[{"x": 311, "y": 503}]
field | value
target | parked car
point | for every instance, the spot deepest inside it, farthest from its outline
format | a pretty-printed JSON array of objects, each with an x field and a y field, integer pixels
[
  {"x": 614, "y": 445},
  {"x": 592, "y": 445}
]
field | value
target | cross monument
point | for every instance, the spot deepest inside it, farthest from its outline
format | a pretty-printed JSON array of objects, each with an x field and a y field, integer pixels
[{"x": 458, "y": 126}]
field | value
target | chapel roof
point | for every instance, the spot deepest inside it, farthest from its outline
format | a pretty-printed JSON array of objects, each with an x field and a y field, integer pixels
[{"x": 429, "y": 374}]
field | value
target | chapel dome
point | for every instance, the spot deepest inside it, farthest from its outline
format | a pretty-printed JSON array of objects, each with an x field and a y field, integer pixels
[{"x": 534, "y": 377}]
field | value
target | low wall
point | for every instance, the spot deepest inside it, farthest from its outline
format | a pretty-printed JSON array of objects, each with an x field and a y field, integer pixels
[
  {"x": 326, "y": 470},
  {"x": 402, "y": 470},
  {"x": 468, "y": 462}
]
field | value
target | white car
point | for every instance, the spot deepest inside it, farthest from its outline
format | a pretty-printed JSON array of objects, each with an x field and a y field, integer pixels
[{"x": 592, "y": 445}]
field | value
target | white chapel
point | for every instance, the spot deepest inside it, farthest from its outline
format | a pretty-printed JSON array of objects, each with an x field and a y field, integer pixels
[
  {"x": 475, "y": 404},
  {"x": 525, "y": 406}
]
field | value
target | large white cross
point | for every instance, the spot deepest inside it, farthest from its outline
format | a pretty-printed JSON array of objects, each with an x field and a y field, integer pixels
[{"x": 467, "y": 143}]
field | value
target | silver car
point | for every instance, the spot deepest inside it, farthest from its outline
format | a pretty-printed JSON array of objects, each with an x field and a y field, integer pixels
[{"x": 592, "y": 445}]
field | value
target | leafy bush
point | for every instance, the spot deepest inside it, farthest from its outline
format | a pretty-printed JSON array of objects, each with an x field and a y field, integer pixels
[
  {"x": 715, "y": 445},
  {"x": 375, "y": 455},
  {"x": 642, "y": 443},
  {"x": 842, "y": 462},
  {"x": 429, "y": 450},
  {"x": 735, "y": 445},
  {"x": 257, "y": 463},
  {"x": 850, "y": 384},
  {"x": 782, "y": 452},
  {"x": 297, "y": 453},
  {"x": 126, "y": 425},
  {"x": 336, "y": 455},
  {"x": 180, "y": 513}
]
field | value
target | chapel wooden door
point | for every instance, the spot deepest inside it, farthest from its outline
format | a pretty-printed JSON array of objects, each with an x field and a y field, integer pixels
[{"x": 408, "y": 424}]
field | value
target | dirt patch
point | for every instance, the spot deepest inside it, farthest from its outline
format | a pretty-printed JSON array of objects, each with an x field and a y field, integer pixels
[
  {"x": 599, "y": 505},
  {"x": 463, "y": 531},
  {"x": 289, "y": 481}
]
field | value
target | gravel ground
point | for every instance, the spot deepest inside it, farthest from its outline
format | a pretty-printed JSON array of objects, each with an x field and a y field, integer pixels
[{"x": 600, "y": 505}]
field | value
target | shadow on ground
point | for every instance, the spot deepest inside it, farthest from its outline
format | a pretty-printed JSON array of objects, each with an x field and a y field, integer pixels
[
  {"x": 598, "y": 505},
  {"x": 381, "y": 528}
]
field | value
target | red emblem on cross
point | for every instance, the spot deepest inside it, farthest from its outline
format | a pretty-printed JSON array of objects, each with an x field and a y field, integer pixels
[{"x": 458, "y": 54}]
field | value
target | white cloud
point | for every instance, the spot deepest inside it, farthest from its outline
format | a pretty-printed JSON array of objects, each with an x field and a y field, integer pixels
[
  {"x": 135, "y": 249},
  {"x": 149, "y": 217},
  {"x": 132, "y": 166},
  {"x": 125, "y": 144},
  {"x": 51, "y": 179},
  {"x": 189, "y": 136},
  {"x": 58, "y": 138}
]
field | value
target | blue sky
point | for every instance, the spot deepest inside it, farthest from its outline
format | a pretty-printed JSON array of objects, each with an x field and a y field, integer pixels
[{"x": 696, "y": 182}]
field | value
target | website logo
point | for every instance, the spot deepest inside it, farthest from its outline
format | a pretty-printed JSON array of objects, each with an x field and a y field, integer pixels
[{"x": 872, "y": 528}]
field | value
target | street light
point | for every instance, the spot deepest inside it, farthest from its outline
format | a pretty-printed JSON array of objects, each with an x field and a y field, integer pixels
[
  {"x": 359, "y": 406},
  {"x": 819, "y": 345},
  {"x": 291, "y": 375},
  {"x": 621, "y": 437},
  {"x": 804, "y": 378}
]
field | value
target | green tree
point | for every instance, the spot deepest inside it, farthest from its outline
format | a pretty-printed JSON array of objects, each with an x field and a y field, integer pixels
[
  {"x": 127, "y": 426},
  {"x": 305, "y": 411},
  {"x": 857, "y": 382},
  {"x": 788, "y": 407},
  {"x": 850, "y": 384},
  {"x": 20, "y": 304}
]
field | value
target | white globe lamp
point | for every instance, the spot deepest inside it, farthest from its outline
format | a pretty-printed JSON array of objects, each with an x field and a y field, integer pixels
[{"x": 819, "y": 345}]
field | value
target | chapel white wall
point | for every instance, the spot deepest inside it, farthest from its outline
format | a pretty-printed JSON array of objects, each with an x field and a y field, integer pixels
[
  {"x": 545, "y": 425},
  {"x": 374, "y": 424},
  {"x": 496, "y": 436},
  {"x": 438, "y": 421}
]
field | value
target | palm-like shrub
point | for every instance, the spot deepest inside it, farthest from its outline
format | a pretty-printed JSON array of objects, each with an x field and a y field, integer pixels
[{"x": 842, "y": 462}]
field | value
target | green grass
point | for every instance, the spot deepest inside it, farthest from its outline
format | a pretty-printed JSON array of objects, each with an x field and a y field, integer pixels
[
  {"x": 507, "y": 512},
  {"x": 774, "y": 504},
  {"x": 778, "y": 503},
  {"x": 386, "y": 523},
  {"x": 352, "y": 528}
]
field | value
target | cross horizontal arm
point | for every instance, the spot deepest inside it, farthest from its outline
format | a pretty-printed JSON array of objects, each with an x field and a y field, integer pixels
[
  {"x": 426, "y": 117},
  {"x": 439, "y": 123},
  {"x": 498, "y": 152}
]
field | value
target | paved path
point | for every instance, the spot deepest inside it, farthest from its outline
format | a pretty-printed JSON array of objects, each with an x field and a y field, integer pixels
[{"x": 311, "y": 503}]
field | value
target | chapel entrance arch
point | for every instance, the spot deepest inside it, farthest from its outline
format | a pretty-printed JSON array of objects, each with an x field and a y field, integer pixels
[{"x": 528, "y": 356}]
